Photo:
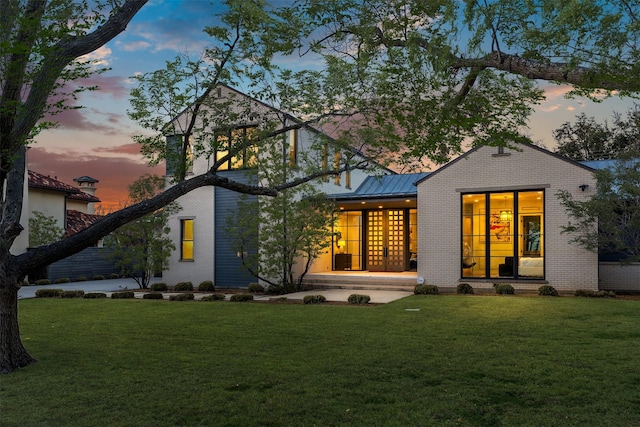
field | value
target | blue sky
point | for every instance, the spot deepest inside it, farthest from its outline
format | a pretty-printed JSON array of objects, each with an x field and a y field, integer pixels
[{"x": 96, "y": 140}]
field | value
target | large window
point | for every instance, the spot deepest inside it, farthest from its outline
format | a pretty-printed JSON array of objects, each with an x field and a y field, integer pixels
[
  {"x": 186, "y": 239},
  {"x": 503, "y": 234},
  {"x": 348, "y": 239},
  {"x": 237, "y": 139}
]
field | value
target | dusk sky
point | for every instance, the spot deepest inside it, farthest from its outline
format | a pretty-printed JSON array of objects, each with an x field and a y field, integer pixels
[{"x": 97, "y": 140}]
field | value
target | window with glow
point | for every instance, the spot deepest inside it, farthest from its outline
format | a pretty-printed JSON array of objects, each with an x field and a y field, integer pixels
[
  {"x": 503, "y": 235},
  {"x": 237, "y": 139},
  {"x": 186, "y": 238}
]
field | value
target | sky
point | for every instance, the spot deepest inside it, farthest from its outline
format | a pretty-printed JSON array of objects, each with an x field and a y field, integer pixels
[{"x": 97, "y": 139}]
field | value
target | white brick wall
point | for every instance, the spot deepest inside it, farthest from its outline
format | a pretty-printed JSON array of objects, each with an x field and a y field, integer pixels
[
  {"x": 616, "y": 277},
  {"x": 567, "y": 266}
]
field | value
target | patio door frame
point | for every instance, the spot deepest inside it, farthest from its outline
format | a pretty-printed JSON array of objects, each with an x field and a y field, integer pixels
[{"x": 387, "y": 239}]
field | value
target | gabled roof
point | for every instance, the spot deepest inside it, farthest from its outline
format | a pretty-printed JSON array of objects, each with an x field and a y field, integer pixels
[
  {"x": 384, "y": 187},
  {"x": 535, "y": 147},
  {"x": 78, "y": 221},
  {"x": 38, "y": 180}
]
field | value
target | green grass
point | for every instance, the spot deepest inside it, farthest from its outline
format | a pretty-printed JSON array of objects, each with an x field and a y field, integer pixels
[{"x": 459, "y": 360}]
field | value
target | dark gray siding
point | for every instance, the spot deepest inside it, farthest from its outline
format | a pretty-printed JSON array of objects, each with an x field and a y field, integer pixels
[
  {"x": 229, "y": 271},
  {"x": 86, "y": 263}
]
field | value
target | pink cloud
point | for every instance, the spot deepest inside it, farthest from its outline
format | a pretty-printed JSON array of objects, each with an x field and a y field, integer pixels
[{"x": 114, "y": 173}]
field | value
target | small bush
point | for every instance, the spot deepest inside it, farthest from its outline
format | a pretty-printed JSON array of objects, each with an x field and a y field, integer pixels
[
  {"x": 62, "y": 280},
  {"x": 183, "y": 286},
  {"x": 123, "y": 295},
  {"x": 594, "y": 294},
  {"x": 275, "y": 290},
  {"x": 92, "y": 295},
  {"x": 114, "y": 276},
  {"x": 81, "y": 279},
  {"x": 48, "y": 293},
  {"x": 213, "y": 297},
  {"x": 153, "y": 295},
  {"x": 425, "y": 290},
  {"x": 313, "y": 299},
  {"x": 547, "y": 291},
  {"x": 159, "y": 287},
  {"x": 358, "y": 299},
  {"x": 241, "y": 297},
  {"x": 41, "y": 282},
  {"x": 98, "y": 277},
  {"x": 206, "y": 286},
  {"x": 72, "y": 294},
  {"x": 255, "y": 288},
  {"x": 181, "y": 297},
  {"x": 464, "y": 288},
  {"x": 504, "y": 289}
]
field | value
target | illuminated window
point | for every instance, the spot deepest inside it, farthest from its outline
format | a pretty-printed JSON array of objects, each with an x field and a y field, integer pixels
[
  {"x": 240, "y": 140},
  {"x": 336, "y": 166},
  {"x": 325, "y": 161},
  {"x": 186, "y": 238},
  {"x": 292, "y": 137}
]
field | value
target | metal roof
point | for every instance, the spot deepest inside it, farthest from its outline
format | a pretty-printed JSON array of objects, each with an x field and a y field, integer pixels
[{"x": 385, "y": 186}]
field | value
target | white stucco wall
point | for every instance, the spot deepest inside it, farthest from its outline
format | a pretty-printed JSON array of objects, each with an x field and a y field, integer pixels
[{"x": 567, "y": 266}]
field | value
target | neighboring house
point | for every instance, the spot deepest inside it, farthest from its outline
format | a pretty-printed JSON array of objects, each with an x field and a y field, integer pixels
[
  {"x": 73, "y": 209},
  {"x": 489, "y": 216}
]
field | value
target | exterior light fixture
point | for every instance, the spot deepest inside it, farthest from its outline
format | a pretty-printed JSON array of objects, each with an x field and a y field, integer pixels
[{"x": 583, "y": 187}]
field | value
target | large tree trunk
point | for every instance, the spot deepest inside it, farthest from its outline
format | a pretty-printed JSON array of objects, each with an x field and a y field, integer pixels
[{"x": 13, "y": 355}]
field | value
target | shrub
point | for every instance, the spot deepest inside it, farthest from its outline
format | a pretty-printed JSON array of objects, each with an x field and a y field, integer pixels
[
  {"x": 114, "y": 276},
  {"x": 594, "y": 294},
  {"x": 313, "y": 299},
  {"x": 241, "y": 297},
  {"x": 183, "y": 286},
  {"x": 95, "y": 295},
  {"x": 275, "y": 290},
  {"x": 206, "y": 286},
  {"x": 62, "y": 280},
  {"x": 81, "y": 279},
  {"x": 41, "y": 282},
  {"x": 358, "y": 299},
  {"x": 123, "y": 295},
  {"x": 48, "y": 293},
  {"x": 152, "y": 295},
  {"x": 159, "y": 287},
  {"x": 547, "y": 291},
  {"x": 72, "y": 294},
  {"x": 98, "y": 277},
  {"x": 181, "y": 297},
  {"x": 255, "y": 288},
  {"x": 464, "y": 288},
  {"x": 213, "y": 297},
  {"x": 504, "y": 289},
  {"x": 425, "y": 290}
]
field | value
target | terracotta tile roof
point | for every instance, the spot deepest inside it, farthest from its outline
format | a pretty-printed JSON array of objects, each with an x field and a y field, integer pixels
[
  {"x": 85, "y": 197},
  {"x": 78, "y": 221},
  {"x": 41, "y": 181}
]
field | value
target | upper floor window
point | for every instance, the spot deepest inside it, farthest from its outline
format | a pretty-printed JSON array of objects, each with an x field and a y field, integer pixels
[
  {"x": 239, "y": 139},
  {"x": 292, "y": 141}
]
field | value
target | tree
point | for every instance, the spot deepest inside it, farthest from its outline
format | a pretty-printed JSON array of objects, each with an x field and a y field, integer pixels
[
  {"x": 43, "y": 230},
  {"x": 142, "y": 247},
  {"x": 609, "y": 221},
  {"x": 294, "y": 227},
  {"x": 587, "y": 139}
]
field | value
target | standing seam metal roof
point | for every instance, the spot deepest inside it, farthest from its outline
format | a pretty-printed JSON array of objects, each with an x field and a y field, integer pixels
[{"x": 386, "y": 186}]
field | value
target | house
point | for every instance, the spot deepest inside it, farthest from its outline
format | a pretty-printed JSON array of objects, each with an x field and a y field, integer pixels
[
  {"x": 73, "y": 210},
  {"x": 200, "y": 228},
  {"x": 489, "y": 216}
]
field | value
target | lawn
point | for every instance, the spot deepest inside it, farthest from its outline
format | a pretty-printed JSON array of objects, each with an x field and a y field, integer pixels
[{"x": 424, "y": 360}]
